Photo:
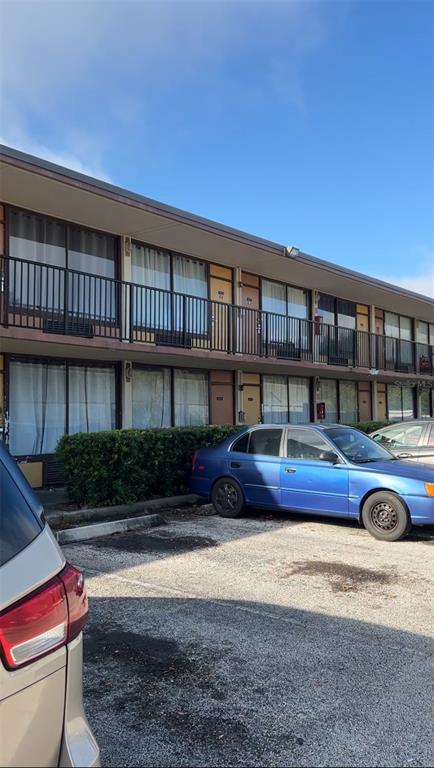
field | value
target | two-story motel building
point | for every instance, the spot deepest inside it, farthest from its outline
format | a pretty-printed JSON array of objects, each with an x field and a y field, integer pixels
[{"x": 119, "y": 311}]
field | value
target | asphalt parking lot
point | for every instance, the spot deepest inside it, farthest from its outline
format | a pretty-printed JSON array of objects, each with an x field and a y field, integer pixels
[{"x": 265, "y": 641}]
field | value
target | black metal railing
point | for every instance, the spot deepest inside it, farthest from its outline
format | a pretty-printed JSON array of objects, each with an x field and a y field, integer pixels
[{"x": 62, "y": 301}]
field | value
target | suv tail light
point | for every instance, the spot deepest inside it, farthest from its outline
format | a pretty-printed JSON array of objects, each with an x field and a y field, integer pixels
[{"x": 44, "y": 620}]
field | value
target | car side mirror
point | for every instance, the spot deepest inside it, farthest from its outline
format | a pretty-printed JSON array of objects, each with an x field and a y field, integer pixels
[{"x": 329, "y": 456}]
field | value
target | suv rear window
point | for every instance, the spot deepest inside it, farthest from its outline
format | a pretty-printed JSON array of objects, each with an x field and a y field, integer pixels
[{"x": 18, "y": 524}]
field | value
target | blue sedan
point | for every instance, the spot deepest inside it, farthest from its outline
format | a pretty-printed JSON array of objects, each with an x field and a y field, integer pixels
[{"x": 320, "y": 469}]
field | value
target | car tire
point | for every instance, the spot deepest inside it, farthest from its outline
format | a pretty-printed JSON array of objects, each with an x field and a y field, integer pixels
[
  {"x": 385, "y": 516},
  {"x": 227, "y": 498}
]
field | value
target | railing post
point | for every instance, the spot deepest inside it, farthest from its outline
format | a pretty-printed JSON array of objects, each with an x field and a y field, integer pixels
[
  {"x": 184, "y": 321},
  {"x": 65, "y": 301},
  {"x": 264, "y": 324}
]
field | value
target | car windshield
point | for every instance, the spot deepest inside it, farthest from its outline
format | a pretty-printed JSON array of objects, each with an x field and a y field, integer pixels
[{"x": 358, "y": 447}]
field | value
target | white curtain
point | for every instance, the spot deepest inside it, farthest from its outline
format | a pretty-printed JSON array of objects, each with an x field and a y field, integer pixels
[
  {"x": 35, "y": 239},
  {"x": 92, "y": 402},
  {"x": 275, "y": 399},
  {"x": 348, "y": 402},
  {"x": 151, "y": 398},
  {"x": 36, "y": 407},
  {"x": 273, "y": 297},
  {"x": 299, "y": 400},
  {"x": 391, "y": 325},
  {"x": 92, "y": 257},
  {"x": 151, "y": 269},
  {"x": 190, "y": 280},
  {"x": 191, "y": 398},
  {"x": 297, "y": 303},
  {"x": 425, "y": 398},
  {"x": 329, "y": 396}
]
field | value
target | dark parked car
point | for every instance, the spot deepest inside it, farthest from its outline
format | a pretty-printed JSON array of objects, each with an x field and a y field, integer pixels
[
  {"x": 320, "y": 469},
  {"x": 412, "y": 440}
]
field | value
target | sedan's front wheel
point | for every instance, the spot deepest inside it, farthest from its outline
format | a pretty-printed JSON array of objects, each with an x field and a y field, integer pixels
[
  {"x": 227, "y": 497},
  {"x": 385, "y": 516}
]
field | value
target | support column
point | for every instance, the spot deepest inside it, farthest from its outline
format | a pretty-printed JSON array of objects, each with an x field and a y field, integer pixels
[
  {"x": 238, "y": 397},
  {"x": 127, "y": 395},
  {"x": 125, "y": 291},
  {"x": 374, "y": 401}
]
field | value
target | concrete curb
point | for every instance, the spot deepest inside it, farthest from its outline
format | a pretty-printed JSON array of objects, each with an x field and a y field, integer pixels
[
  {"x": 54, "y": 517},
  {"x": 84, "y": 532}
]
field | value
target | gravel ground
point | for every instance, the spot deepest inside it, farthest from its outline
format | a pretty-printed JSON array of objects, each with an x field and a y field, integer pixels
[{"x": 265, "y": 641}]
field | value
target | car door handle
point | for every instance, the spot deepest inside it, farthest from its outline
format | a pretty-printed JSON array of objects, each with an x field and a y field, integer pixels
[
  {"x": 404, "y": 455},
  {"x": 290, "y": 470},
  {"x": 235, "y": 464}
]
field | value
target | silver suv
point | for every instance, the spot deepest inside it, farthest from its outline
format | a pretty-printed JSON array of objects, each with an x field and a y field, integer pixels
[{"x": 43, "y": 607}]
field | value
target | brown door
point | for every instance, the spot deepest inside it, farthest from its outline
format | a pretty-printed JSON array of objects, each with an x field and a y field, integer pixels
[
  {"x": 365, "y": 404},
  {"x": 221, "y": 294},
  {"x": 250, "y": 327},
  {"x": 251, "y": 398},
  {"x": 222, "y": 397}
]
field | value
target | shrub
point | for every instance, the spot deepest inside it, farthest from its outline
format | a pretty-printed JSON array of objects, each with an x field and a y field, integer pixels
[
  {"x": 128, "y": 465},
  {"x": 370, "y": 426}
]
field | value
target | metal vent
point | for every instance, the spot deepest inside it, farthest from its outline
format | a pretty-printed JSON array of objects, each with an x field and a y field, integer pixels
[{"x": 72, "y": 327}]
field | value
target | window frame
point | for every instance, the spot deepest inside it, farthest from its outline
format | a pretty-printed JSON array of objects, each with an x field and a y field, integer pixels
[
  {"x": 67, "y": 362},
  {"x": 307, "y": 291},
  {"x": 329, "y": 444},
  {"x": 171, "y": 369},
  {"x": 177, "y": 254}
]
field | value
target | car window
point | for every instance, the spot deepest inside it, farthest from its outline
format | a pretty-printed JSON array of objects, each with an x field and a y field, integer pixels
[
  {"x": 406, "y": 435},
  {"x": 305, "y": 444},
  {"x": 18, "y": 525},
  {"x": 431, "y": 435},
  {"x": 265, "y": 441},
  {"x": 241, "y": 445},
  {"x": 357, "y": 446}
]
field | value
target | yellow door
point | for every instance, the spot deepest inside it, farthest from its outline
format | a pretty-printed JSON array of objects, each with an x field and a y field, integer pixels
[
  {"x": 251, "y": 398},
  {"x": 221, "y": 296}
]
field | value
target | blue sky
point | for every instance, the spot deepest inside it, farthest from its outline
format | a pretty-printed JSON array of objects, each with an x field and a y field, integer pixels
[{"x": 309, "y": 123}]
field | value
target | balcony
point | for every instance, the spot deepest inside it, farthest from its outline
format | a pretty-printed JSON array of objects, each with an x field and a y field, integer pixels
[{"x": 53, "y": 300}]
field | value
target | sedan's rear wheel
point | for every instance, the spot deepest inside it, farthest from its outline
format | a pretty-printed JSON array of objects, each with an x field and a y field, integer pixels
[
  {"x": 227, "y": 497},
  {"x": 385, "y": 516}
]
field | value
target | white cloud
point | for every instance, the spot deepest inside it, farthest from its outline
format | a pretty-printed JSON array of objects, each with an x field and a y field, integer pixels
[
  {"x": 421, "y": 281},
  {"x": 100, "y": 63}
]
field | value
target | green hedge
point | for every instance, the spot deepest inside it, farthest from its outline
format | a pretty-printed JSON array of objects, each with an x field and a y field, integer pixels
[
  {"x": 370, "y": 426},
  {"x": 129, "y": 465}
]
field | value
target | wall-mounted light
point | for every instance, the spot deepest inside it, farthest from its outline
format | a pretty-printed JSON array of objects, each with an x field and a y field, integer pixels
[
  {"x": 128, "y": 371},
  {"x": 292, "y": 251}
]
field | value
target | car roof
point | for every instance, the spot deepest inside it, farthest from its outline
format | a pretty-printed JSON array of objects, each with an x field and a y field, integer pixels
[
  {"x": 413, "y": 422},
  {"x": 308, "y": 424}
]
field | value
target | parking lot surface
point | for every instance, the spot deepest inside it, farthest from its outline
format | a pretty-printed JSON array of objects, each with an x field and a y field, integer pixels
[{"x": 265, "y": 641}]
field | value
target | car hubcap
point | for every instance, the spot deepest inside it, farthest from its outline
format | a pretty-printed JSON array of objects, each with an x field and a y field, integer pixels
[
  {"x": 384, "y": 516},
  {"x": 226, "y": 497}
]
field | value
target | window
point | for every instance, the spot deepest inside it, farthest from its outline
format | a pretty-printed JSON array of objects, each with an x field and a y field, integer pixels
[
  {"x": 43, "y": 242},
  {"x": 305, "y": 444},
  {"x": 285, "y": 399},
  {"x": 425, "y": 402},
  {"x": 275, "y": 399},
  {"x": 18, "y": 525},
  {"x": 91, "y": 395},
  {"x": 241, "y": 445},
  {"x": 37, "y": 407},
  {"x": 265, "y": 442},
  {"x": 150, "y": 272},
  {"x": 405, "y": 436},
  {"x": 288, "y": 307},
  {"x": 299, "y": 400},
  {"x": 46, "y": 399},
  {"x": 191, "y": 398},
  {"x": 151, "y": 395},
  {"x": 52, "y": 246},
  {"x": 337, "y": 311},
  {"x": 422, "y": 333},
  {"x": 400, "y": 402},
  {"x": 431, "y": 435},
  {"x": 348, "y": 402},
  {"x": 328, "y": 394}
]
